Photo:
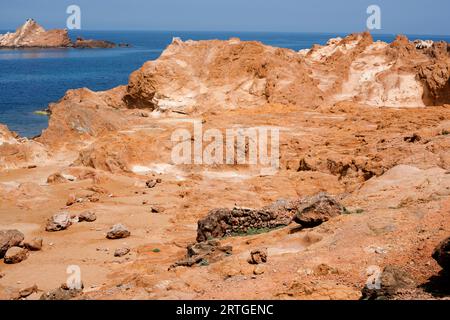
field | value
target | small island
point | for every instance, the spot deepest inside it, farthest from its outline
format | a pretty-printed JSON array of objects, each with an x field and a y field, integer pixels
[{"x": 33, "y": 35}]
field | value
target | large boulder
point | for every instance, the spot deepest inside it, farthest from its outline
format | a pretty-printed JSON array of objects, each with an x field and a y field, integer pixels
[
  {"x": 8, "y": 239},
  {"x": 317, "y": 210},
  {"x": 58, "y": 222},
  {"x": 442, "y": 254}
]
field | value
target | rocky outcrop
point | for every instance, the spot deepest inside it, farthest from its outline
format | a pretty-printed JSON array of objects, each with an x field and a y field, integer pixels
[
  {"x": 15, "y": 255},
  {"x": 81, "y": 43},
  {"x": 238, "y": 221},
  {"x": 32, "y": 35},
  {"x": 58, "y": 222}
]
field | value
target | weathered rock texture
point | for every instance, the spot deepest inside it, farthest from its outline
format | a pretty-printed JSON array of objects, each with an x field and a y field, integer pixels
[
  {"x": 203, "y": 253},
  {"x": 31, "y": 34},
  {"x": 8, "y": 239},
  {"x": 317, "y": 210},
  {"x": 442, "y": 254},
  {"x": 225, "y": 222}
]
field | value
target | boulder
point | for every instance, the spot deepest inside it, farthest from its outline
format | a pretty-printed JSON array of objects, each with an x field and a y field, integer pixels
[
  {"x": 8, "y": 239},
  {"x": 28, "y": 291},
  {"x": 34, "y": 244},
  {"x": 58, "y": 222},
  {"x": 15, "y": 255},
  {"x": 442, "y": 254},
  {"x": 258, "y": 256},
  {"x": 87, "y": 216},
  {"x": 118, "y": 231},
  {"x": 317, "y": 210}
]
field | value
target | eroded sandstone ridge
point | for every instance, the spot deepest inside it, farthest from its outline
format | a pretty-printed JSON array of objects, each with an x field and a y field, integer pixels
[
  {"x": 32, "y": 35},
  {"x": 364, "y": 165}
]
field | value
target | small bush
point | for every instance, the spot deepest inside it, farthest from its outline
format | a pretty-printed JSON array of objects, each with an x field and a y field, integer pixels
[{"x": 156, "y": 250}]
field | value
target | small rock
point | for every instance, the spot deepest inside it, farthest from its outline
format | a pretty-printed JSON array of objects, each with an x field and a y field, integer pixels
[
  {"x": 8, "y": 239},
  {"x": 151, "y": 184},
  {"x": 259, "y": 270},
  {"x": 118, "y": 231},
  {"x": 258, "y": 256},
  {"x": 34, "y": 244},
  {"x": 121, "y": 252},
  {"x": 58, "y": 222},
  {"x": 62, "y": 293},
  {"x": 28, "y": 291},
  {"x": 87, "y": 216},
  {"x": 72, "y": 199},
  {"x": 15, "y": 255}
]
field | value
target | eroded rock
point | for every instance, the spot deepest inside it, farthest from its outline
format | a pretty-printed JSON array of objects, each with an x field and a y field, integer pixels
[
  {"x": 120, "y": 252},
  {"x": 8, "y": 239},
  {"x": 15, "y": 255},
  {"x": 33, "y": 244},
  {"x": 317, "y": 210},
  {"x": 258, "y": 256},
  {"x": 58, "y": 222},
  {"x": 118, "y": 231},
  {"x": 87, "y": 216},
  {"x": 203, "y": 253}
]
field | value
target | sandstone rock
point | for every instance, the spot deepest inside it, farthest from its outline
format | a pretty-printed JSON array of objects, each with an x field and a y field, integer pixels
[
  {"x": 121, "y": 252},
  {"x": 318, "y": 210},
  {"x": 15, "y": 255},
  {"x": 391, "y": 280},
  {"x": 118, "y": 231},
  {"x": 203, "y": 253},
  {"x": 87, "y": 216},
  {"x": 58, "y": 222},
  {"x": 31, "y": 34},
  {"x": 8, "y": 239},
  {"x": 34, "y": 244},
  {"x": 258, "y": 256},
  {"x": 442, "y": 254}
]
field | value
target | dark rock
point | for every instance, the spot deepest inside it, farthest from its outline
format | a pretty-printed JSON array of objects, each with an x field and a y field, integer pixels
[
  {"x": 442, "y": 254},
  {"x": 151, "y": 184},
  {"x": 81, "y": 43},
  {"x": 258, "y": 256},
  {"x": 15, "y": 255},
  {"x": 118, "y": 231},
  {"x": 391, "y": 280},
  {"x": 121, "y": 252},
  {"x": 317, "y": 210},
  {"x": 8, "y": 239},
  {"x": 62, "y": 293}
]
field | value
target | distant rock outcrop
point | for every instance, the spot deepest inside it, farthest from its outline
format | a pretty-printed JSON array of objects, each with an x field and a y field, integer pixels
[{"x": 32, "y": 35}]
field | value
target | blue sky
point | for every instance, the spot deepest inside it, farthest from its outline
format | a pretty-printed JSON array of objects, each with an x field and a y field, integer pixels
[{"x": 398, "y": 16}]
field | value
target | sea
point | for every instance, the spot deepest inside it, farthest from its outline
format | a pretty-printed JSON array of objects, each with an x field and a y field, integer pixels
[{"x": 30, "y": 79}]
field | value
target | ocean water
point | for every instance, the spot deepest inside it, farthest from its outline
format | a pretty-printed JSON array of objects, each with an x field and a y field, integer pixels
[{"x": 31, "y": 79}]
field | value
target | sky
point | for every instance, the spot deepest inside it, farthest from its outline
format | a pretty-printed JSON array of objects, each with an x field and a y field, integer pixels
[{"x": 397, "y": 16}]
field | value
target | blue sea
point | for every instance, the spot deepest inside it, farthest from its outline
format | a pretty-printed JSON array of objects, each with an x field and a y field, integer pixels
[{"x": 31, "y": 79}]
